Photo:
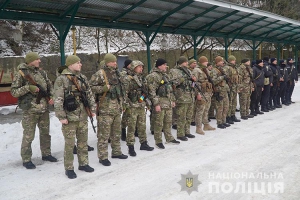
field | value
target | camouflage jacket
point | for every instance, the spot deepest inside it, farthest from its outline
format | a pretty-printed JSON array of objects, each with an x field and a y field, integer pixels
[
  {"x": 136, "y": 90},
  {"x": 246, "y": 82},
  {"x": 64, "y": 86},
  {"x": 20, "y": 88},
  {"x": 218, "y": 79},
  {"x": 184, "y": 91},
  {"x": 202, "y": 79},
  {"x": 234, "y": 77},
  {"x": 110, "y": 102},
  {"x": 160, "y": 89}
]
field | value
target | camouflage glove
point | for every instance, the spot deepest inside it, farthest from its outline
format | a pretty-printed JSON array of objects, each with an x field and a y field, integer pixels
[{"x": 32, "y": 88}]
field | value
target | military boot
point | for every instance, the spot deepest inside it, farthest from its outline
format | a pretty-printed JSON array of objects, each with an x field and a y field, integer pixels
[
  {"x": 233, "y": 118},
  {"x": 199, "y": 130},
  {"x": 146, "y": 147},
  {"x": 131, "y": 150},
  {"x": 136, "y": 133},
  {"x": 123, "y": 134},
  {"x": 207, "y": 127},
  {"x": 229, "y": 121},
  {"x": 71, "y": 174},
  {"x": 193, "y": 123}
]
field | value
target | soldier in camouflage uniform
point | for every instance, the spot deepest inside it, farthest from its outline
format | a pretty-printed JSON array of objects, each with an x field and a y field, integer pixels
[
  {"x": 202, "y": 105},
  {"x": 219, "y": 77},
  {"x": 162, "y": 98},
  {"x": 234, "y": 80},
  {"x": 212, "y": 108},
  {"x": 72, "y": 114},
  {"x": 34, "y": 112},
  {"x": 185, "y": 98},
  {"x": 245, "y": 87},
  {"x": 137, "y": 94},
  {"x": 108, "y": 84},
  {"x": 125, "y": 115},
  {"x": 192, "y": 65}
]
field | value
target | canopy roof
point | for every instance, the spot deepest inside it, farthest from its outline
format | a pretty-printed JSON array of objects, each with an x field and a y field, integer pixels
[{"x": 190, "y": 17}]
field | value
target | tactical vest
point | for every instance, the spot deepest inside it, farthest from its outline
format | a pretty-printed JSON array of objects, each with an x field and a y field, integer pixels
[
  {"x": 116, "y": 90},
  {"x": 24, "y": 102},
  {"x": 136, "y": 91},
  {"x": 186, "y": 85},
  {"x": 164, "y": 88}
]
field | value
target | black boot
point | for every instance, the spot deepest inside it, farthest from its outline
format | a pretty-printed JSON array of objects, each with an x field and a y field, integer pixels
[
  {"x": 146, "y": 147},
  {"x": 226, "y": 124},
  {"x": 123, "y": 134},
  {"x": 75, "y": 150},
  {"x": 49, "y": 158},
  {"x": 90, "y": 148},
  {"x": 193, "y": 123},
  {"x": 174, "y": 126},
  {"x": 233, "y": 118},
  {"x": 253, "y": 113},
  {"x": 229, "y": 121},
  {"x": 131, "y": 150},
  {"x": 86, "y": 168},
  {"x": 221, "y": 126},
  {"x": 71, "y": 174},
  {"x": 29, "y": 165}
]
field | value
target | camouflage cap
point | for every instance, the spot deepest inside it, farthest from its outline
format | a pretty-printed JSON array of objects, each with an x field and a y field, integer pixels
[
  {"x": 135, "y": 63},
  {"x": 31, "y": 56},
  {"x": 231, "y": 58}
]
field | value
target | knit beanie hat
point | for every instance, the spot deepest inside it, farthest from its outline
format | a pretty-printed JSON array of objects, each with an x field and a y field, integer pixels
[
  {"x": 72, "y": 59},
  {"x": 259, "y": 61},
  {"x": 266, "y": 59},
  {"x": 282, "y": 62},
  {"x": 245, "y": 60},
  {"x": 31, "y": 56},
  {"x": 192, "y": 61},
  {"x": 160, "y": 62},
  {"x": 218, "y": 59},
  {"x": 109, "y": 57},
  {"x": 135, "y": 63},
  {"x": 127, "y": 62},
  {"x": 273, "y": 59},
  {"x": 182, "y": 59},
  {"x": 289, "y": 59},
  {"x": 231, "y": 58},
  {"x": 203, "y": 59}
]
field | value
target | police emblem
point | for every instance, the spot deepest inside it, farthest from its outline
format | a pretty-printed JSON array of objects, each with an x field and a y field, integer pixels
[{"x": 189, "y": 182}]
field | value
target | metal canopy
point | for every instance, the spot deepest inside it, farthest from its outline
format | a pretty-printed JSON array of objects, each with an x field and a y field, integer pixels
[{"x": 191, "y": 17}]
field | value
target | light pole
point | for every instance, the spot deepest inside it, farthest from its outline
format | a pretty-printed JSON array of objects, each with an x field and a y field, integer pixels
[{"x": 290, "y": 51}]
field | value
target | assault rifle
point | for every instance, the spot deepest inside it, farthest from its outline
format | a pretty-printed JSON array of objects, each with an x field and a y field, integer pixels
[
  {"x": 216, "y": 94},
  {"x": 84, "y": 99},
  {"x": 194, "y": 83},
  {"x": 227, "y": 81},
  {"x": 42, "y": 92}
]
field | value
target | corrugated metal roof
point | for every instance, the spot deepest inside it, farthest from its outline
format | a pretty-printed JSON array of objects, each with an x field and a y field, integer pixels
[{"x": 191, "y": 17}]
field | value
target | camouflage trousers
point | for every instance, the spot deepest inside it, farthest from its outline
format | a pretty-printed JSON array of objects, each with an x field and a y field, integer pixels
[
  {"x": 162, "y": 121},
  {"x": 78, "y": 130},
  {"x": 212, "y": 108},
  {"x": 109, "y": 126},
  {"x": 174, "y": 116},
  {"x": 232, "y": 103},
  {"x": 136, "y": 120},
  {"x": 29, "y": 122},
  {"x": 222, "y": 108},
  {"x": 244, "y": 98},
  {"x": 125, "y": 116},
  {"x": 184, "y": 118},
  {"x": 201, "y": 110}
]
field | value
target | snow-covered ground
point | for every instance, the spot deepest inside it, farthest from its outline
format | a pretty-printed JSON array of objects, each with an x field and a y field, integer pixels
[{"x": 255, "y": 159}]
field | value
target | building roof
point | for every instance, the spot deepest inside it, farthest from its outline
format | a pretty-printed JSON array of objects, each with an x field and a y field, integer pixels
[{"x": 190, "y": 17}]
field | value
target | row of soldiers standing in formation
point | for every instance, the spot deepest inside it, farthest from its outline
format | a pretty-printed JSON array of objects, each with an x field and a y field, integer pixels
[{"x": 109, "y": 93}]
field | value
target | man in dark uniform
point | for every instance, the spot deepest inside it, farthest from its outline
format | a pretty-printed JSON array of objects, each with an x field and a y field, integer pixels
[
  {"x": 274, "y": 89},
  {"x": 258, "y": 77},
  {"x": 292, "y": 78},
  {"x": 267, "y": 85}
]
